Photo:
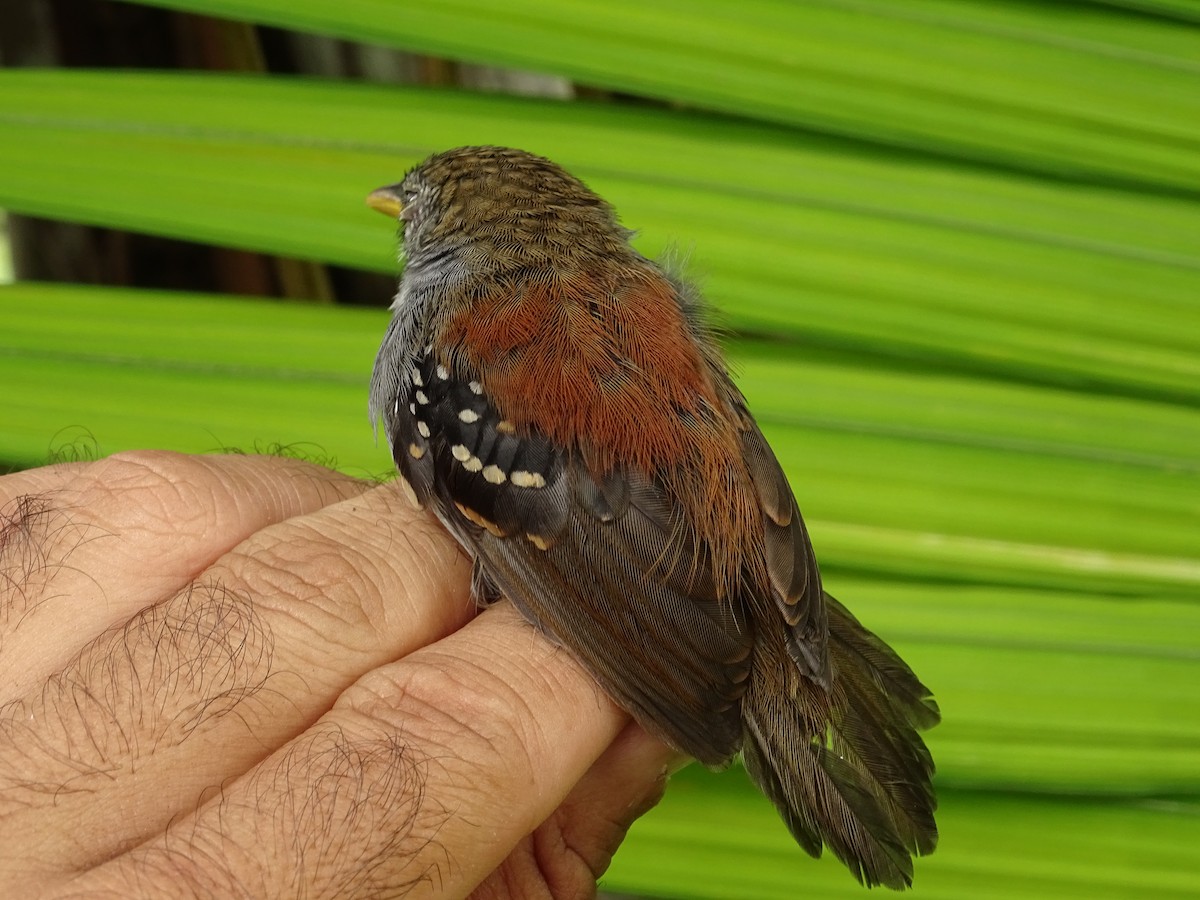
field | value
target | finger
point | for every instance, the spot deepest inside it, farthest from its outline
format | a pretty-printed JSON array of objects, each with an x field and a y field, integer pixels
[
  {"x": 37, "y": 481},
  {"x": 195, "y": 690},
  {"x": 117, "y": 535},
  {"x": 566, "y": 855},
  {"x": 421, "y": 779}
]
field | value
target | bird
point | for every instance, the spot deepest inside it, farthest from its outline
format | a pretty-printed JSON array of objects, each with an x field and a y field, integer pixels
[{"x": 563, "y": 405}]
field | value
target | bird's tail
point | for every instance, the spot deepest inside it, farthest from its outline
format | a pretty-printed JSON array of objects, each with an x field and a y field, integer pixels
[{"x": 846, "y": 767}]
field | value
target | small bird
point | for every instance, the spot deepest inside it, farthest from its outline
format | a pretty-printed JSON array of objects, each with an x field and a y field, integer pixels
[{"x": 562, "y": 403}]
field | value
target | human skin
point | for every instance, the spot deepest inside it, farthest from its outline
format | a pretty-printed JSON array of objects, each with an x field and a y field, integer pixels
[{"x": 246, "y": 676}]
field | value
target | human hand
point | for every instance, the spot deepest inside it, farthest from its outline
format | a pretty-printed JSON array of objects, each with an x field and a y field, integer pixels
[{"x": 246, "y": 676}]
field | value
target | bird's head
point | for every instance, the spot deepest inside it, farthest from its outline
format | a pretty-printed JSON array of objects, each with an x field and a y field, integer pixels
[{"x": 493, "y": 209}]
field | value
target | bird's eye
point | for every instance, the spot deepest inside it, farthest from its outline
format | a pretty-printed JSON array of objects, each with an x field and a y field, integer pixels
[{"x": 408, "y": 203}]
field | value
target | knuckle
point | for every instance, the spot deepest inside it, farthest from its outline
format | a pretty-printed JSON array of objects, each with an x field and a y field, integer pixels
[
  {"x": 567, "y": 869},
  {"x": 290, "y": 568},
  {"x": 134, "y": 469},
  {"x": 457, "y": 714},
  {"x": 159, "y": 491}
]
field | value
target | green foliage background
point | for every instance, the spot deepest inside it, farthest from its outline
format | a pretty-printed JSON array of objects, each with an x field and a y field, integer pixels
[{"x": 958, "y": 244}]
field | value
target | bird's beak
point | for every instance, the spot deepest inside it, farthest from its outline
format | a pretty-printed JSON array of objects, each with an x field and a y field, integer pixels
[{"x": 386, "y": 200}]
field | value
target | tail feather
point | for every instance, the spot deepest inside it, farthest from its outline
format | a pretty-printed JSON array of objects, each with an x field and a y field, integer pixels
[
  {"x": 846, "y": 767},
  {"x": 878, "y": 707},
  {"x": 863, "y": 654},
  {"x": 824, "y": 803}
]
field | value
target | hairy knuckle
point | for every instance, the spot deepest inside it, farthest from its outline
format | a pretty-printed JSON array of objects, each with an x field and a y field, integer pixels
[
  {"x": 460, "y": 716},
  {"x": 297, "y": 575},
  {"x": 36, "y": 537}
]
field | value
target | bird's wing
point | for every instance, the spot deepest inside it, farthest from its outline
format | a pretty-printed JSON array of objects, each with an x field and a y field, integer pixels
[
  {"x": 607, "y": 566},
  {"x": 791, "y": 562}
]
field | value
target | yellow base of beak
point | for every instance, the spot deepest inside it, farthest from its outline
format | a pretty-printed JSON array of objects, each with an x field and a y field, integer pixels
[{"x": 387, "y": 201}]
